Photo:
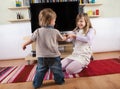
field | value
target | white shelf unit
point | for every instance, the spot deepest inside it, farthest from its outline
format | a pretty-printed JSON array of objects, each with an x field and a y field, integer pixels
[
  {"x": 18, "y": 8},
  {"x": 19, "y": 20},
  {"x": 15, "y": 9},
  {"x": 90, "y": 7},
  {"x": 94, "y": 16},
  {"x": 91, "y": 4}
]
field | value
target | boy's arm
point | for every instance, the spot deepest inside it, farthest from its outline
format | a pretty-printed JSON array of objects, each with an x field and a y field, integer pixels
[{"x": 27, "y": 43}]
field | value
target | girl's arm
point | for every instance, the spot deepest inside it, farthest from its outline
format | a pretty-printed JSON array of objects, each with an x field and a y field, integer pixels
[
  {"x": 88, "y": 38},
  {"x": 70, "y": 36}
]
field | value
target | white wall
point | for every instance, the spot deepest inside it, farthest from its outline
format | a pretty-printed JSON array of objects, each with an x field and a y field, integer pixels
[
  {"x": 5, "y": 13},
  {"x": 109, "y": 8}
]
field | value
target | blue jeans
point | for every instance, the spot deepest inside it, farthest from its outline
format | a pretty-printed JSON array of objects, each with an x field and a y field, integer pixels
[{"x": 44, "y": 64}]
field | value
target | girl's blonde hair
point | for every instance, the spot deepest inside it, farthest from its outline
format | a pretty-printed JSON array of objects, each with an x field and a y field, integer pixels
[
  {"x": 87, "y": 21},
  {"x": 45, "y": 16}
]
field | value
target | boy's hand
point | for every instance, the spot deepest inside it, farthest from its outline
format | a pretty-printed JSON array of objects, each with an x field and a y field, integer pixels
[
  {"x": 26, "y": 43},
  {"x": 24, "y": 47}
]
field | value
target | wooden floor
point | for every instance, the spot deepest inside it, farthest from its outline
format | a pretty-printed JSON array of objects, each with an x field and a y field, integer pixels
[{"x": 111, "y": 81}]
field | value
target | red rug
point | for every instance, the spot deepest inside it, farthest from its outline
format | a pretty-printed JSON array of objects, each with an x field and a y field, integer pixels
[{"x": 25, "y": 73}]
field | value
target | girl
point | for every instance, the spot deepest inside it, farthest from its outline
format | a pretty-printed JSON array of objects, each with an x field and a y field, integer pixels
[{"x": 82, "y": 36}]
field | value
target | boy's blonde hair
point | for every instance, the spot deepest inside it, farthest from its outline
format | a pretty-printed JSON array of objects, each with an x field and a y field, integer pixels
[
  {"x": 87, "y": 21},
  {"x": 45, "y": 16}
]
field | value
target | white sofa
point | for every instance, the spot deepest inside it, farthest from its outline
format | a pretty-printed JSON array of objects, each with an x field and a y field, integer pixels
[{"x": 11, "y": 37}]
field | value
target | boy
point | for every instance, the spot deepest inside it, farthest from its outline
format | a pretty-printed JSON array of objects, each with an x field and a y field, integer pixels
[{"x": 47, "y": 52}]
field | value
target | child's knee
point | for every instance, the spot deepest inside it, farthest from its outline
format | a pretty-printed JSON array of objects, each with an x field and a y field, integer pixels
[
  {"x": 69, "y": 70},
  {"x": 73, "y": 71}
]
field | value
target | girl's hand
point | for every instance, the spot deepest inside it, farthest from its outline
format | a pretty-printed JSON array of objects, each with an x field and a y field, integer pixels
[{"x": 72, "y": 36}]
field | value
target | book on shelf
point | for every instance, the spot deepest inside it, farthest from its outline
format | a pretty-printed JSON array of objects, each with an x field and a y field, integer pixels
[
  {"x": 50, "y": 1},
  {"x": 26, "y": 2}
]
